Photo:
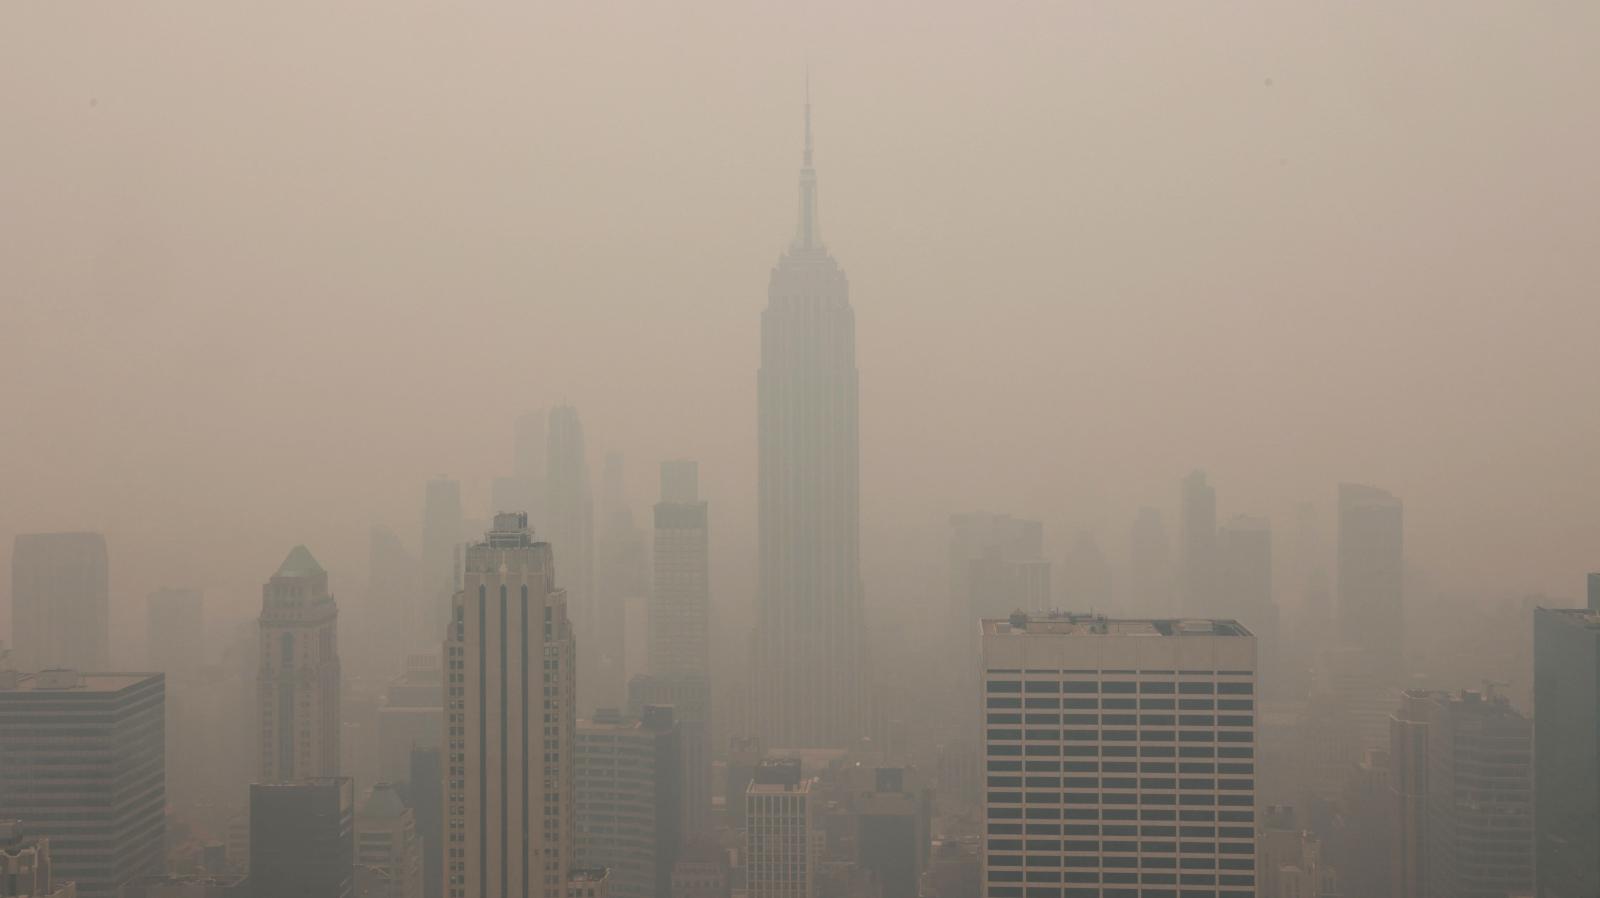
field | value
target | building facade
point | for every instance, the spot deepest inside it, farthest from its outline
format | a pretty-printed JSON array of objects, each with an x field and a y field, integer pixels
[
  {"x": 388, "y": 854},
  {"x": 303, "y": 838},
  {"x": 780, "y": 844},
  {"x": 1120, "y": 755},
  {"x": 60, "y": 602},
  {"x": 104, "y": 814},
  {"x": 298, "y": 682},
  {"x": 509, "y": 717},
  {"x": 809, "y": 687},
  {"x": 629, "y": 795},
  {"x": 1566, "y": 719}
]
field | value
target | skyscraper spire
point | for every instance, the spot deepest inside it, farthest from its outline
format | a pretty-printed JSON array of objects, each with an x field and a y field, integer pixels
[{"x": 807, "y": 235}]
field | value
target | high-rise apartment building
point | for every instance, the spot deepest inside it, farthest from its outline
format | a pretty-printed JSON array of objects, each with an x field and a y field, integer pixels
[
  {"x": 1463, "y": 784},
  {"x": 1566, "y": 720},
  {"x": 298, "y": 682},
  {"x": 629, "y": 792},
  {"x": 388, "y": 853},
  {"x": 779, "y": 834},
  {"x": 1120, "y": 757},
  {"x": 303, "y": 838},
  {"x": 1370, "y": 570},
  {"x": 60, "y": 602},
  {"x": 509, "y": 716},
  {"x": 809, "y": 687},
  {"x": 690, "y": 700},
  {"x": 104, "y": 810},
  {"x": 1197, "y": 519}
]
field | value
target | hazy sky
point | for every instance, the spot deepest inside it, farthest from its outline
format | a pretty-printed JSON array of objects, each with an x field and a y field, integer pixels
[{"x": 265, "y": 269}]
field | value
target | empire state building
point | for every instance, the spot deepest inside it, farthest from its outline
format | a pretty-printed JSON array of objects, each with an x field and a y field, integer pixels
[{"x": 809, "y": 689}]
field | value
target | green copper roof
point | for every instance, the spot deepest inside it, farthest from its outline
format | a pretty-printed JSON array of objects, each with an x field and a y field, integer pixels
[{"x": 300, "y": 564}]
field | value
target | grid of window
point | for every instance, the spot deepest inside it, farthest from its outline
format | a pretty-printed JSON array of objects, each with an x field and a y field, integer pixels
[{"x": 1105, "y": 784}]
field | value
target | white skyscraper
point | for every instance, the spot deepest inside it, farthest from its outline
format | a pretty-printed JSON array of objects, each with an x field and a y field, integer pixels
[
  {"x": 1120, "y": 756},
  {"x": 298, "y": 682},
  {"x": 509, "y": 706}
]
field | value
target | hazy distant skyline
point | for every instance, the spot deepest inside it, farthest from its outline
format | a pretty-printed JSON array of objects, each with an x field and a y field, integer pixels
[{"x": 263, "y": 271}]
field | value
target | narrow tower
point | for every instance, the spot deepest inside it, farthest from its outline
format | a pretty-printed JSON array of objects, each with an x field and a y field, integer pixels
[
  {"x": 298, "y": 686},
  {"x": 809, "y": 689}
]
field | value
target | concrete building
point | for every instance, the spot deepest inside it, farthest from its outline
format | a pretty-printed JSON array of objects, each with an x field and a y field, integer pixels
[
  {"x": 410, "y": 716},
  {"x": 892, "y": 817},
  {"x": 25, "y": 869},
  {"x": 1114, "y": 749},
  {"x": 1566, "y": 687},
  {"x": 701, "y": 872},
  {"x": 780, "y": 849},
  {"x": 1370, "y": 570},
  {"x": 112, "y": 725},
  {"x": 1463, "y": 784},
  {"x": 689, "y": 697},
  {"x": 303, "y": 838},
  {"x": 809, "y": 688},
  {"x": 1291, "y": 860},
  {"x": 298, "y": 682},
  {"x": 510, "y": 694},
  {"x": 60, "y": 602},
  {"x": 629, "y": 797},
  {"x": 388, "y": 853}
]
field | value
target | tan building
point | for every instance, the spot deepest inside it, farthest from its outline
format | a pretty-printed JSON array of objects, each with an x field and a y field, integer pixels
[
  {"x": 25, "y": 865},
  {"x": 510, "y": 721},
  {"x": 388, "y": 855},
  {"x": 298, "y": 683},
  {"x": 780, "y": 849}
]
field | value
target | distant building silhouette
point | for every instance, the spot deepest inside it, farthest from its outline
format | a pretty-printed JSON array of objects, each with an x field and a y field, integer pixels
[
  {"x": 388, "y": 853},
  {"x": 1197, "y": 518},
  {"x": 299, "y": 679},
  {"x": 60, "y": 602},
  {"x": 569, "y": 510},
  {"x": 810, "y": 685},
  {"x": 1371, "y": 577}
]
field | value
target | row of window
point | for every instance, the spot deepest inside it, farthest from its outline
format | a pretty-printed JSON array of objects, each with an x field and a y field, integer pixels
[
  {"x": 1009, "y": 734},
  {"x": 1161, "y": 687},
  {"x": 1162, "y": 815},
  {"x": 1235, "y": 768},
  {"x": 1051, "y": 719},
  {"x": 1092, "y": 784},
  {"x": 1188, "y": 879},
  {"x": 1184, "y": 799},
  {"x": 1149, "y": 830},
  {"x": 1125, "y": 847},
  {"x": 1055, "y": 748},
  {"x": 1146, "y": 750},
  {"x": 1035, "y": 891},
  {"x": 1052, "y": 703}
]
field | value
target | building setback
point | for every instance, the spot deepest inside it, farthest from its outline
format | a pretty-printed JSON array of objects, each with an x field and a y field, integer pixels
[
  {"x": 60, "y": 602},
  {"x": 82, "y": 764},
  {"x": 303, "y": 839},
  {"x": 1120, "y": 754},
  {"x": 509, "y": 717},
  {"x": 1566, "y": 720},
  {"x": 298, "y": 683}
]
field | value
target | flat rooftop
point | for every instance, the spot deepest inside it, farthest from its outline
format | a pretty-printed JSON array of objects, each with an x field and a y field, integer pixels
[
  {"x": 1578, "y": 617},
  {"x": 1067, "y": 623},
  {"x": 70, "y": 681}
]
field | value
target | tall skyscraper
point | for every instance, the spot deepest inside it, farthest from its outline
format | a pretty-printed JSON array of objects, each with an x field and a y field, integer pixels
[
  {"x": 303, "y": 838},
  {"x": 622, "y": 576},
  {"x": 1463, "y": 782},
  {"x": 810, "y": 687},
  {"x": 82, "y": 763},
  {"x": 1566, "y": 739},
  {"x": 780, "y": 856},
  {"x": 1371, "y": 574},
  {"x": 510, "y": 694},
  {"x": 629, "y": 793},
  {"x": 387, "y": 616},
  {"x": 997, "y": 566},
  {"x": 60, "y": 602},
  {"x": 569, "y": 507},
  {"x": 298, "y": 683},
  {"x": 680, "y": 596},
  {"x": 441, "y": 534},
  {"x": 1120, "y": 755},
  {"x": 1198, "y": 521}
]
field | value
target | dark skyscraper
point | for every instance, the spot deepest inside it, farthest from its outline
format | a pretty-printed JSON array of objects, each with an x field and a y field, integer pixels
[
  {"x": 809, "y": 688},
  {"x": 1371, "y": 577},
  {"x": 1566, "y": 745},
  {"x": 303, "y": 839},
  {"x": 60, "y": 601}
]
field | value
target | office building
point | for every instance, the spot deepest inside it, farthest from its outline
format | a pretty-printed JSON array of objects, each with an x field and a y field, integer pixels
[
  {"x": 1566, "y": 719},
  {"x": 589, "y": 882},
  {"x": 680, "y": 594},
  {"x": 997, "y": 566},
  {"x": 426, "y": 792},
  {"x": 1291, "y": 860},
  {"x": 298, "y": 683},
  {"x": 1120, "y": 756},
  {"x": 25, "y": 869},
  {"x": 1199, "y": 566},
  {"x": 388, "y": 853},
  {"x": 387, "y": 615},
  {"x": 569, "y": 511},
  {"x": 1370, "y": 571},
  {"x": 892, "y": 817},
  {"x": 780, "y": 848},
  {"x": 60, "y": 602},
  {"x": 809, "y": 686},
  {"x": 509, "y": 715},
  {"x": 1463, "y": 784},
  {"x": 111, "y": 724},
  {"x": 629, "y": 794},
  {"x": 303, "y": 838},
  {"x": 189, "y": 885},
  {"x": 689, "y": 697},
  {"x": 410, "y": 716}
]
